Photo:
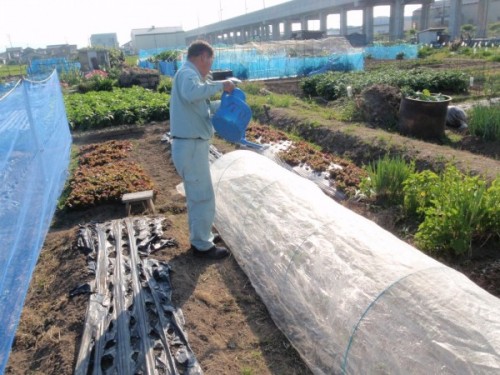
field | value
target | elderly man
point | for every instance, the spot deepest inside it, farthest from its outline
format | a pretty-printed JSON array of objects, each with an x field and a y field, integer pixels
[{"x": 191, "y": 130}]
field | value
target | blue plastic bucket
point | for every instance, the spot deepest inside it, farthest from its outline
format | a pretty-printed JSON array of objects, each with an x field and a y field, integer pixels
[{"x": 233, "y": 116}]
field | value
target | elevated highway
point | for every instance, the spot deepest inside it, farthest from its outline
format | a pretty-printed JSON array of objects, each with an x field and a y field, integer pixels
[{"x": 275, "y": 23}]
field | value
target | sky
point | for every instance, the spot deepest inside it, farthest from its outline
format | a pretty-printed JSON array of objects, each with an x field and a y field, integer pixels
[{"x": 38, "y": 23}]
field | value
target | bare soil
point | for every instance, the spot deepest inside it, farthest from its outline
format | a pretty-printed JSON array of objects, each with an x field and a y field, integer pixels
[{"x": 228, "y": 326}]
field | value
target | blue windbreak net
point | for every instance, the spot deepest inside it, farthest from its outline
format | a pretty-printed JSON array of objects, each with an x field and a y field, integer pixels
[
  {"x": 273, "y": 59},
  {"x": 35, "y": 144},
  {"x": 46, "y": 66},
  {"x": 253, "y": 65},
  {"x": 390, "y": 52}
]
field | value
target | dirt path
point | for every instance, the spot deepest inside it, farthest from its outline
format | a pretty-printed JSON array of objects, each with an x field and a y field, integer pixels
[{"x": 364, "y": 145}]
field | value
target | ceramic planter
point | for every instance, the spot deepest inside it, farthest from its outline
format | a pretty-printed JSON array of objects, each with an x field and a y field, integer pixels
[{"x": 423, "y": 119}]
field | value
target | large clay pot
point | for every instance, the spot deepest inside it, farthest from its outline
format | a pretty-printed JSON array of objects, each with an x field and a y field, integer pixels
[{"x": 423, "y": 119}]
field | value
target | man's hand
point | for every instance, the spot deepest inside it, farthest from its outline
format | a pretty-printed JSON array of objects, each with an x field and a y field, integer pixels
[{"x": 229, "y": 86}]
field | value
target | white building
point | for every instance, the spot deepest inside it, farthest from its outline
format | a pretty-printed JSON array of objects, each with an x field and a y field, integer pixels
[{"x": 158, "y": 37}]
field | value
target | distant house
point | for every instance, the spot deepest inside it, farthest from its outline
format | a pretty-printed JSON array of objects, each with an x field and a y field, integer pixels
[
  {"x": 68, "y": 51},
  {"x": 158, "y": 37},
  {"x": 109, "y": 40},
  {"x": 14, "y": 54},
  {"x": 91, "y": 59},
  {"x": 127, "y": 48},
  {"x": 434, "y": 36}
]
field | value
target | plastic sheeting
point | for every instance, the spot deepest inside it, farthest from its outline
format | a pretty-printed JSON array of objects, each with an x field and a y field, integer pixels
[
  {"x": 34, "y": 156},
  {"x": 351, "y": 297}
]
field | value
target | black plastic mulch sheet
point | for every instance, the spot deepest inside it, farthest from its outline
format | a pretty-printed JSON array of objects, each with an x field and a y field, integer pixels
[{"x": 131, "y": 326}]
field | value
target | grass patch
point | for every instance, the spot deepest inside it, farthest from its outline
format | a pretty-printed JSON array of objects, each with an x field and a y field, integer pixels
[
  {"x": 485, "y": 122},
  {"x": 385, "y": 179}
]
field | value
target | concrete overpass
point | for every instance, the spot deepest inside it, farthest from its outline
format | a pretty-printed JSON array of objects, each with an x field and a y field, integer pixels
[{"x": 275, "y": 23}]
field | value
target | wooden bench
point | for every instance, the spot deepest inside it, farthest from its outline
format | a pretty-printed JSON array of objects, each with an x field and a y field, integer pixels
[{"x": 139, "y": 196}]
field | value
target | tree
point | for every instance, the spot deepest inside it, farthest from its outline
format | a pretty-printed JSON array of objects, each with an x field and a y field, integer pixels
[
  {"x": 494, "y": 29},
  {"x": 468, "y": 28}
]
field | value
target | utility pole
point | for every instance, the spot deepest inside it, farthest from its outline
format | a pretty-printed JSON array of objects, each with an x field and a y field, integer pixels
[{"x": 10, "y": 41}]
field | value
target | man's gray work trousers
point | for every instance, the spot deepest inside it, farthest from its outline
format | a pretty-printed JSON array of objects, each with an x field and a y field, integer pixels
[{"x": 190, "y": 157}]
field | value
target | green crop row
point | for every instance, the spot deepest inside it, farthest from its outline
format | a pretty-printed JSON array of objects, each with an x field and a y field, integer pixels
[
  {"x": 333, "y": 85},
  {"x": 134, "y": 105}
]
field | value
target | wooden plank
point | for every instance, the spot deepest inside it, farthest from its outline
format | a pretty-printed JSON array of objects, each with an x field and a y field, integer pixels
[{"x": 137, "y": 196}]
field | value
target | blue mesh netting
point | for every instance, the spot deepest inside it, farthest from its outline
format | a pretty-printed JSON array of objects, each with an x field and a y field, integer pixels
[
  {"x": 45, "y": 66},
  {"x": 35, "y": 146},
  {"x": 250, "y": 63},
  {"x": 390, "y": 52},
  {"x": 6, "y": 87}
]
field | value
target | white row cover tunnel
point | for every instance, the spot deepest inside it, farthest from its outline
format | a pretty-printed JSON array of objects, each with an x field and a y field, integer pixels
[{"x": 351, "y": 297}]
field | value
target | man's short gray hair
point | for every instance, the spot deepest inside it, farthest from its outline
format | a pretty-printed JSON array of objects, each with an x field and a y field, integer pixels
[{"x": 198, "y": 47}]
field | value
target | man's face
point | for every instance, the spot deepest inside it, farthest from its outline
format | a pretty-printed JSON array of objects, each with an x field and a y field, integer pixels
[{"x": 205, "y": 63}]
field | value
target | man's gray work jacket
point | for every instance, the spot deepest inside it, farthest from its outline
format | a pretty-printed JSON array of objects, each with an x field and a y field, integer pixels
[{"x": 189, "y": 104}]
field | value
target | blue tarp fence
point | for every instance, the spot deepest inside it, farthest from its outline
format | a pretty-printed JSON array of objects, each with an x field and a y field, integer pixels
[
  {"x": 35, "y": 143},
  {"x": 390, "y": 52},
  {"x": 166, "y": 68},
  {"x": 46, "y": 66}
]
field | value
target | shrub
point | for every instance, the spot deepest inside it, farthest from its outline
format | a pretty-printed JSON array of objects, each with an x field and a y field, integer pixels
[
  {"x": 424, "y": 52},
  {"x": 309, "y": 85},
  {"x": 71, "y": 77},
  {"x": 165, "y": 85},
  {"x": 492, "y": 207},
  {"x": 453, "y": 208},
  {"x": 419, "y": 189},
  {"x": 96, "y": 83}
]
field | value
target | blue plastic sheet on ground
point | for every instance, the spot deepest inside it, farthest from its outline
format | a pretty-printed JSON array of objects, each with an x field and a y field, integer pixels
[
  {"x": 390, "y": 52},
  {"x": 35, "y": 144}
]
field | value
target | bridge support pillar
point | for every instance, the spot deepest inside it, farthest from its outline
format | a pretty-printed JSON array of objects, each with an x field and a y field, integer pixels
[
  {"x": 368, "y": 23},
  {"x": 343, "y": 22},
  {"x": 455, "y": 18},
  {"x": 396, "y": 22}
]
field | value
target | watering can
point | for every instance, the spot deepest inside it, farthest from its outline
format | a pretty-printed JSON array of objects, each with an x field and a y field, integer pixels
[{"x": 230, "y": 121}]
